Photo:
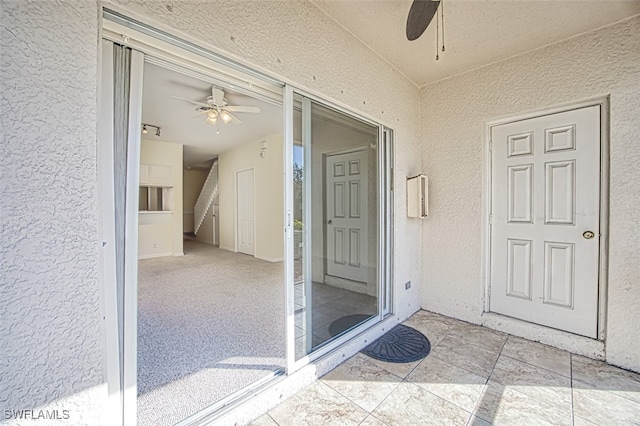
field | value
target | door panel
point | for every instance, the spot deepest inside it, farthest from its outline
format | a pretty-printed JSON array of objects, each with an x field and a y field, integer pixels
[
  {"x": 346, "y": 175},
  {"x": 545, "y": 195}
]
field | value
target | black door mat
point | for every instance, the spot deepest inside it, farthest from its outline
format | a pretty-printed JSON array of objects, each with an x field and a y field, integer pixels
[
  {"x": 401, "y": 344},
  {"x": 347, "y": 322}
]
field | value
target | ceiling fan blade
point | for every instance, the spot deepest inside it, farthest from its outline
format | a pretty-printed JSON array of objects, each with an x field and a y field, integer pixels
[
  {"x": 191, "y": 102},
  {"x": 234, "y": 119},
  {"x": 420, "y": 15},
  {"x": 199, "y": 114},
  {"x": 218, "y": 95},
  {"x": 238, "y": 108}
]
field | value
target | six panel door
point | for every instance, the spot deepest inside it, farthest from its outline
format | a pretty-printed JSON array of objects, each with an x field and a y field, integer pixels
[{"x": 545, "y": 220}]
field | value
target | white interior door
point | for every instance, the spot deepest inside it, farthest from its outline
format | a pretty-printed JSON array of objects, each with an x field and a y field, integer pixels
[
  {"x": 545, "y": 220},
  {"x": 347, "y": 215},
  {"x": 246, "y": 218}
]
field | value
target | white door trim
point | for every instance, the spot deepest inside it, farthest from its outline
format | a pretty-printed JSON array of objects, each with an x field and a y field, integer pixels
[
  {"x": 235, "y": 207},
  {"x": 603, "y": 102}
]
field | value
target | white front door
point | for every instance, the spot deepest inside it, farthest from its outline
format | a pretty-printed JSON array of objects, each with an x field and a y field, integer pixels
[
  {"x": 545, "y": 220},
  {"x": 245, "y": 212},
  {"x": 347, "y": 215}
]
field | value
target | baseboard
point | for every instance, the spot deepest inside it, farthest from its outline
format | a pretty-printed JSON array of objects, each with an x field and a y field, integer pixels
[
  {"x": 580, "y": 345},
  {"x": 178, "y": 254},
  {"x": 270, "y": 259},
  {"x": 151, "y": 256},
  {"x": 227, "y": 248}
]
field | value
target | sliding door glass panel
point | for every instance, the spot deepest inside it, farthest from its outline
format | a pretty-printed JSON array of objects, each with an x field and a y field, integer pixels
[{"x": 336, "y": 223}]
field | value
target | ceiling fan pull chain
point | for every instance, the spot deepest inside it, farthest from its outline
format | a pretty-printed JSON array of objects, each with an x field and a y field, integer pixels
[
  {"x": 437, "y": 36},
  {"x": 442, "y": 7}
]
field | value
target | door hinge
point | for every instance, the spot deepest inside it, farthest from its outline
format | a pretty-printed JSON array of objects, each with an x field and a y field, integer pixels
[
  {"x": 490, "y": 219},
  {"x": 490, "y": 145}
]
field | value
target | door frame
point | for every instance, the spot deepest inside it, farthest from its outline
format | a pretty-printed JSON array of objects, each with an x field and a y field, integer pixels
[
  {"x": 237, "y": 211},
  {"x": 603, "y": 274}
]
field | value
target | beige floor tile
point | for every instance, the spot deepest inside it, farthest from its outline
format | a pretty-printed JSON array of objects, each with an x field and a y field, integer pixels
[
  {"x": 459, "y": 352},
  {"x": 400, "y": 369},
  {"x": 603, "y": 407},
  {"x": 318, "y": 404},
  {"x": 535, "y": 382},
  {"x": 372, "y": 421},
  {"x": 411, "y": 405},
  {"x": 435, "y": 327},
  {"x": 362, "y": 382},
  {"x": 501, "y": 405},
  {"x": 477, "y": 421},
  {"x": 479, "y": 336},
  {"x": 265, "y": 420},
  {"x": 606, "y": 377},
  {"x": 537, "y": 354},
  {"x": 452, "y": 383},
  {"x": 579, "y": 421}
]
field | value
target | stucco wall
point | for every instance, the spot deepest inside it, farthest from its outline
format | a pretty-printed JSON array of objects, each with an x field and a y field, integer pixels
[
  {"x": 605, "y": 62},
  {"x": 50, "y": 328},
  {"x": 52, "y": 352}
]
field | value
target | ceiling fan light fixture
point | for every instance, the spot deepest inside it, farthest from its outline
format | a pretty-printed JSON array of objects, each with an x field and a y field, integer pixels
[
  {"x": 212, "y": 118},
  {"x": 226, "y": 117}
]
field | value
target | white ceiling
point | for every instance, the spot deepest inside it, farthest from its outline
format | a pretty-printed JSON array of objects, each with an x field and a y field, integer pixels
[
  {"x": 478, "y": 32},
  {"x": 201, "y": 143}
]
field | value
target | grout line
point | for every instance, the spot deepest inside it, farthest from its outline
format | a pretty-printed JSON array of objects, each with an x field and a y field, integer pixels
[
  {"x": 573, "y": 416},
  {"x": 274, "y": 420},
  {"x": 542, "y": 368}
]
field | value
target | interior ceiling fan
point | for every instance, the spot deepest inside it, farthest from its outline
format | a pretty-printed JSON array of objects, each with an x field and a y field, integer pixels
[{"x": 217, "y": 107}]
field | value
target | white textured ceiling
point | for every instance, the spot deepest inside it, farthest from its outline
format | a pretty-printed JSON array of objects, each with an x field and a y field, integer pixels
[
  {"x": 178, "y": 124},
  {"x": 477, "y": 32}
]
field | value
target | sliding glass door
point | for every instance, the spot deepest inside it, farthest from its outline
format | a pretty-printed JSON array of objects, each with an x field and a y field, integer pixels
[{"x": 340, "y": 190}]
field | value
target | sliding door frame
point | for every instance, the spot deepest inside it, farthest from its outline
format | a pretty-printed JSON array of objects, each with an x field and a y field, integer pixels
[
  {"x": 151, "y": 45},
  {"x": 384, "y": 228}
]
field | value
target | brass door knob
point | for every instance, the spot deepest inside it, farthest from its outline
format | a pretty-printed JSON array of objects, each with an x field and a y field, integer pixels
[
  {"x": 588, "y": 235},
  {"x": 329, "y": 222}
]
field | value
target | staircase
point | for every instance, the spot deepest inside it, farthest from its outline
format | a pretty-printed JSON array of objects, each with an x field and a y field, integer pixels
[{"x": 207, "y": 198}]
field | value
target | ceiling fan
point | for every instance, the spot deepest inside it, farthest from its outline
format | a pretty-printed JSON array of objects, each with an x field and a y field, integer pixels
[
  {"x": 217, "y": 107},
  {"x": 420, "y": 16}
]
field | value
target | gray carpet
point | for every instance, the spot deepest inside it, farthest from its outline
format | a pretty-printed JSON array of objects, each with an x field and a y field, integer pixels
[{"x": 209, "y": 323}]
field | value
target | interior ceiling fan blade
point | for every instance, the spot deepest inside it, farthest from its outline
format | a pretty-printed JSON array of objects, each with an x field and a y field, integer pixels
[
  {"x": 199, "y": 114},
  {"x": 420, "y": 15},
  {"x": 191, "y": 102},
  {"x": 218, "y": 95},
  {"x": 234, "y": 119},
  {"x": 237, "y": 108}
]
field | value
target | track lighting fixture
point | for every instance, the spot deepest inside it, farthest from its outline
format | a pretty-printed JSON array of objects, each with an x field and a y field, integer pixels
[{"x": 145, "y": 130}]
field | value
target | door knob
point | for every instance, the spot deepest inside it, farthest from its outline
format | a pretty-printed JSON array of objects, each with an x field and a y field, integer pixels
[
  {"x": 329, "y": 222},
  {"x": 588, "y": 235}
]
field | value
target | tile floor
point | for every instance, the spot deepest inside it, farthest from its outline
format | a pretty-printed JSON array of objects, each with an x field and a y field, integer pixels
[
  {"x": 328, "y": 305},
  {"x": 473, "y": 376}
]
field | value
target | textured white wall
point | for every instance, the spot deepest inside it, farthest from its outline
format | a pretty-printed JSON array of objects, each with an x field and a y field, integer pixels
[
  {"x": 604, "y": 62},
  {"x": 50, "y": 326}
]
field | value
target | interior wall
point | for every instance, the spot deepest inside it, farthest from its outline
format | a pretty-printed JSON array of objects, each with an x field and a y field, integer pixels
[
  {"x": 51, "y": 331},
  {"x": 268, "y": 175},
  {"x": 157, "y": 237},
  {"x": 192, "y": 183},
  {"x": 453, "y": 111}
]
